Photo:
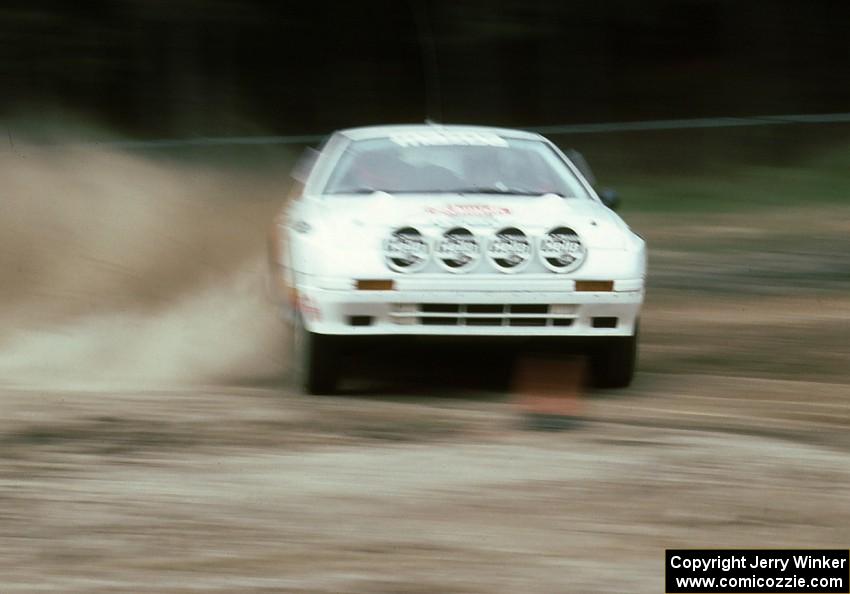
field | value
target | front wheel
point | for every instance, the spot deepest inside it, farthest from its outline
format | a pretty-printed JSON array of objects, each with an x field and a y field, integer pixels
[
  {"x": 313, "y": 360},
  {"x": 613, "y": 364}
]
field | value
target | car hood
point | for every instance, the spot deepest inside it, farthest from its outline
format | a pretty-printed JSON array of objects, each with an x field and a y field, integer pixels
[{"x": 376, "y": 215}]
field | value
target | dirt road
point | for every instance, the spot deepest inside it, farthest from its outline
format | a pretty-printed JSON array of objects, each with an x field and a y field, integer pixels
[{"x": 254, "y": 490}]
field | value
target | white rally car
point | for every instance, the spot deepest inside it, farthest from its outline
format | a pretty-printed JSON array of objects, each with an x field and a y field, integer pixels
[{"x": 455, "y": 231}]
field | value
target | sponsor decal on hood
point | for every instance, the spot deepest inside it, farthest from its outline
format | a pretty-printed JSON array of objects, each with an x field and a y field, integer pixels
[{"x": 463, "y": 210}]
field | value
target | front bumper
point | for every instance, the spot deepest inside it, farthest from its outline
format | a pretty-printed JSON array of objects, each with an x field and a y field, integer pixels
[{"x": 470, "y": 307}]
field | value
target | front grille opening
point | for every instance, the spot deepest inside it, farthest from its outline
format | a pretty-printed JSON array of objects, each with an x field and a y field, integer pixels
[
  {"x": 539, "y": 315},
  {"x": 483, "y": 321},
  {"x": 485, "y": 308},
  {"x": 528, "y": 322},
  {"x": 439, "y": 308},
  {"x": 529, "y": 309},
  {"x": 604, "y": 322},
  {"x": 438, "y": 321},
  {"x": 360, "y": 320}
]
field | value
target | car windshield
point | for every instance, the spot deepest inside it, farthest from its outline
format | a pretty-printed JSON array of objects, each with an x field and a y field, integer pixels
[{"x": 441, "y": 162}]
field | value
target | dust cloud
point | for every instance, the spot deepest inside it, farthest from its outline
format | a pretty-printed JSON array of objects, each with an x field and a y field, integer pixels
[{"x": 117, "y": 269}]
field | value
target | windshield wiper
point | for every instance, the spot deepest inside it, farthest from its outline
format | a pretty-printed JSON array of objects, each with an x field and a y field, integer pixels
[
  {"x": 499, "y": 190},
  {"x": 361, "y": 190},
  {"x": 470, "y": 190}
]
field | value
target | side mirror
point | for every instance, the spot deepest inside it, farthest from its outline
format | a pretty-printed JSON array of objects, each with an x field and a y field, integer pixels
[
  {"x": 304, "y": 165},
  {"x": 582, "y": 165},
  {"x": 610, "y": 198}
]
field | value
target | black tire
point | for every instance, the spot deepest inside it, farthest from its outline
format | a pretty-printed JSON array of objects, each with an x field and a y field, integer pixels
[
  {"x": 613, "y": 363},
  {"x": 314, "y": 365}
]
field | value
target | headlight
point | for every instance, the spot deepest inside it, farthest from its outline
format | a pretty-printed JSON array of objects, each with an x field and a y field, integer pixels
[
  {"x": 406, "y": 250},
  {"x": 457, "y": 250},
  {"x": 510, "y": 250},
  {"x": 561, "y": 250}
]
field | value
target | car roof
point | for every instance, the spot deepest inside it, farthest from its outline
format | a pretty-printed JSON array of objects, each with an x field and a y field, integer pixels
[{"x": 370, "y": 132}]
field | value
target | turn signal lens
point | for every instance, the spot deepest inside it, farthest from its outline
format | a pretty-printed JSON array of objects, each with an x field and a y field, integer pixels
[
  {"x": 594, "y": 285},
  {"x": 375, "y": 285}
]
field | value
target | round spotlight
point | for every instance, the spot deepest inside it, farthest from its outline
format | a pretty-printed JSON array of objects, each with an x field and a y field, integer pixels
[
  {"x": 509, "y": 250},
  {"x": 406, "y": 250},
  {"x": 457, "y": 250},
  {"x": 561, "y": 250}
]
